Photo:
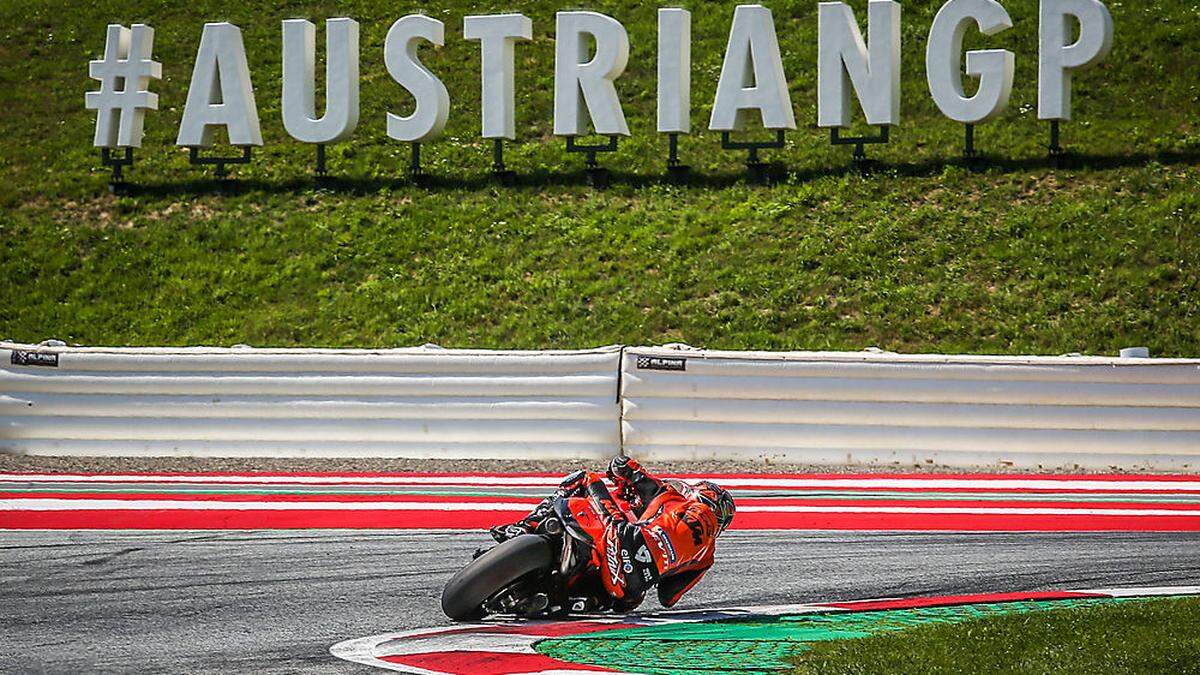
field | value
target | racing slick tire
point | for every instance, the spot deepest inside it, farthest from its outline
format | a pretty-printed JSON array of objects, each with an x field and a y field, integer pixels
[{"x": 464, "y": 594}]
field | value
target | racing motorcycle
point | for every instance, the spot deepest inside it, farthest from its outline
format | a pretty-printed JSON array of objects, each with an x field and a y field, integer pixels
[{"x": 552, "y": 571}]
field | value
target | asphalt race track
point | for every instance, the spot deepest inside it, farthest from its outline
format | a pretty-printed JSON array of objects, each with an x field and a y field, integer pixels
[{"x": 274, "y": 601}]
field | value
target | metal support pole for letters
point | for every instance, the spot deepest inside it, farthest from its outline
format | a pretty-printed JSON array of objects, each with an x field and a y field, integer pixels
[
  {"x": 1057, "y": 152},
  {"x": 321, "y": 172},
  {"x": 597, "y": 175},
  {"x": 859, "y": 158},
  {"x": 221, "y": 173},
  {"x": 116, "y": 181},
  {"x": 415, "y": 172},
  {"x": 756, "y": 170},
  {"x": 499, "y": 171},
  {"x": 676, "y": 172}
]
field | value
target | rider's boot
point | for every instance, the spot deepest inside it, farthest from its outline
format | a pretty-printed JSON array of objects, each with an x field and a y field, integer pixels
[
  {"x": 502, "y": 533},
  {"x": 571, "y": 485},
  {"x": 526, "y": 525}
]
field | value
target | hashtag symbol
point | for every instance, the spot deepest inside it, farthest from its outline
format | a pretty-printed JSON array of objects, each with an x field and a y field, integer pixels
[{"x": 124, "y": 75}]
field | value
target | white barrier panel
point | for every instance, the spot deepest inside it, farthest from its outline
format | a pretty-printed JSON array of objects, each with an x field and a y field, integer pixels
[
  {"x": 818, "y": 408},
  {"x": 421, "y": 402},
  {"x": 873, "y": 408}
]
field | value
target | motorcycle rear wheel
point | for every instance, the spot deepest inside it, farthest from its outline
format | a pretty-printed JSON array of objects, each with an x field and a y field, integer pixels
[{"x": 490, "y": 573}]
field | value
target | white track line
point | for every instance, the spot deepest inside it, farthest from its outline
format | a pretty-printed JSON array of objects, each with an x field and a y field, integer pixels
[
  {"x": 209, "y": 505},
  {"x": 274, "y": 479},
  {"x": 1147, "y": 591},
  {"x": 1195, "y": 513},
  {"x": 1049, "y": 484}
]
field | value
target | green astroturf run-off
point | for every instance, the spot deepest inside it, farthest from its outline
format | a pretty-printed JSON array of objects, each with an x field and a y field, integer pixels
[{"x": 764, "y": 644}]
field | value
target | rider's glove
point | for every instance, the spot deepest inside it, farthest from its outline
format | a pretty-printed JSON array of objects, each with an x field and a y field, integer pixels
[{"x": 621, "y": 470}]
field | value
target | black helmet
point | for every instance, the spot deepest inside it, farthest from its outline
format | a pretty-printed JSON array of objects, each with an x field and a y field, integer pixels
[{"x": 719, "y": 500}]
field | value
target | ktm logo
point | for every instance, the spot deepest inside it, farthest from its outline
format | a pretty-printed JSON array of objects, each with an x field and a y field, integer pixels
[{"x": 696, "y": 526}]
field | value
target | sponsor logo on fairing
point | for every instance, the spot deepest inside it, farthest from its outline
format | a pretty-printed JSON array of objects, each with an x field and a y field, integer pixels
[
  {"x": 614, "y": 565},
  {"x": 643, "y": 555},
  {"x": 664, "y": 544},
  {"x": 626, "y": 565},
  {"x": 695, "y": 525}
]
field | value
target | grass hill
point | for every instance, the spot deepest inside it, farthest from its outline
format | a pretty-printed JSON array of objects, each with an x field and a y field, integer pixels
[{"x": 921, "y": 255}]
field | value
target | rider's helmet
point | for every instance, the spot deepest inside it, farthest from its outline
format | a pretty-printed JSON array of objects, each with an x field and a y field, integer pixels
[{"x": 719, "y": 500}]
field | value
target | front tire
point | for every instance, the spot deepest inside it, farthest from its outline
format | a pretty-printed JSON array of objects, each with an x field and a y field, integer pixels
[{"x": 464, "y": 594}]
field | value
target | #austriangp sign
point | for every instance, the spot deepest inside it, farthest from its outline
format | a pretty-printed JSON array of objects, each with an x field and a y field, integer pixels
[{"x": 855, "y": 69}]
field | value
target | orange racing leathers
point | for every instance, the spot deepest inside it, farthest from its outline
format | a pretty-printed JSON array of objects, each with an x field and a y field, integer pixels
[{"x": 656, "y": 533}]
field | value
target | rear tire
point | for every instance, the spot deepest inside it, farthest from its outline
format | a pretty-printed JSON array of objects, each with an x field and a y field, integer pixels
[{"x": 463, "y": 595}]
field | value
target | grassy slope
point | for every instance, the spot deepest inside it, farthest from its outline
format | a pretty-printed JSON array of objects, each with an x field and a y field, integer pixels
[
  {"x": 1159, "y": 636},
  {"x": 921, "y": 256}
]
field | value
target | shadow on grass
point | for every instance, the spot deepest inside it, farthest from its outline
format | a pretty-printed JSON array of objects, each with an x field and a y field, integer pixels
[{"x": 775, "y": 172}]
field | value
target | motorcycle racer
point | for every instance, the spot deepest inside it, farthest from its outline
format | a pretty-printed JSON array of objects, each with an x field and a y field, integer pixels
[{"x": 658, "y": 533}]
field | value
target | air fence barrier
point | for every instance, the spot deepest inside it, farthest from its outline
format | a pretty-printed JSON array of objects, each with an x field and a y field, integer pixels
[
  {"x": 420, "y": 402},
  {"x": 823, "y": 408},
  {"x": 878, "y": 408}
]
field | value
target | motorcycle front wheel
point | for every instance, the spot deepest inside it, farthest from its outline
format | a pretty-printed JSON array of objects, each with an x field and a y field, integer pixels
[{"x": 490, "y": 573}]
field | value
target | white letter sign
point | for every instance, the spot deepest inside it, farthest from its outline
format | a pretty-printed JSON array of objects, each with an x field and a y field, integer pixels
[
  {"x": 584, "y": 87},
  {"x": 341, "y": 80},
  {"x": 497, "y": 34},
  {"x": 1057, "y": 59},
  {"x": 843, "y": 62},
  {"x": 752, "y": 75},
  {"x": 220, "y": 93},
  {"x": 993, "y": 67},
  {"x": 858, "y": 68},
  {"x": 674, "y": 71},
  {"x": 120, "y": 110},
  {"x": 432, "y": 100}
]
